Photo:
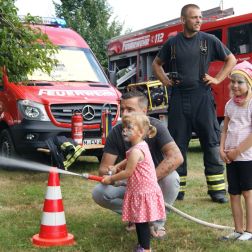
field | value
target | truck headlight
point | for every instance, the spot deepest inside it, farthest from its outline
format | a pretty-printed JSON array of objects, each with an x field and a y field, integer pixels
[{"x": 31, "y": 110}]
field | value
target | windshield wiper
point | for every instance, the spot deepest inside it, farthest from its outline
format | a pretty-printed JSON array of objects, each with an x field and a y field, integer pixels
[{"x": 89, "y": 81}]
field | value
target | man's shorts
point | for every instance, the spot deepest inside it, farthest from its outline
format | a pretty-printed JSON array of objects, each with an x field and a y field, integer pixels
[{"x": 239, "y": 176}]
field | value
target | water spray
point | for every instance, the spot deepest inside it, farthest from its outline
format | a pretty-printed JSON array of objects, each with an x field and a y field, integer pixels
[
  {"x": 22, "y": 164},
  {"x": 28, "y": 165}
]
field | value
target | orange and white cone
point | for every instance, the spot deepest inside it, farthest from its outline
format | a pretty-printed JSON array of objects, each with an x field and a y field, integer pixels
[{"x": 53, "y": 231}]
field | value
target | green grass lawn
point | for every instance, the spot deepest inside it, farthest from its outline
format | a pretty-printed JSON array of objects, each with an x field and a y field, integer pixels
[{"x": 98, "y": 230}]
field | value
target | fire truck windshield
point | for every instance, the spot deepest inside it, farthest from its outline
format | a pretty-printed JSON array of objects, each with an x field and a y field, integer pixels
[{"x": 74, "y": 65}]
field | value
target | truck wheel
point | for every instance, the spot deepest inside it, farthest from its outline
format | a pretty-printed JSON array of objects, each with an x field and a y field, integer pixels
[{"x": 7, "y": 148}]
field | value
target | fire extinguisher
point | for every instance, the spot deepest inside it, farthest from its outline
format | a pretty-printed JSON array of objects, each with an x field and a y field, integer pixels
[{"x": 77, "y": 127}]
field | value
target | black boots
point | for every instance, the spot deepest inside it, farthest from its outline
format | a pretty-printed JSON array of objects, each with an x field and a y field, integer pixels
[
  {"x": 180, "y": 196},
  {"x": 219, "y": 197}
]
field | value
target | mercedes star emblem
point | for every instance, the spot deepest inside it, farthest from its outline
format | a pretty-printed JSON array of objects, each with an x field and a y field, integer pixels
[{"x": 88, "y": 112}]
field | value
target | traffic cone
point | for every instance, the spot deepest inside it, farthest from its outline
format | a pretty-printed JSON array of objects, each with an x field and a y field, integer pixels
[{"x": 53, "y": 231}]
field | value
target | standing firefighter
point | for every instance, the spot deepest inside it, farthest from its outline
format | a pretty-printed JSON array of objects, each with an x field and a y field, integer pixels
[{"x": 191, "y": 107}]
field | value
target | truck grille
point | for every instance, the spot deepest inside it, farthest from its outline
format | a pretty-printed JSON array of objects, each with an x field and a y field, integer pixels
[{"x": 63, "y": 112}]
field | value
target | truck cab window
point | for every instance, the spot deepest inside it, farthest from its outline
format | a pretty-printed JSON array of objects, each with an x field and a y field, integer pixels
[
  {"x": 240, "y": 39},
  {"x": 216, "y": 33}
]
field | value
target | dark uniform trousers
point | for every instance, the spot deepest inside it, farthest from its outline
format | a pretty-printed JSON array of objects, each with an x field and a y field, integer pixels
[{"x": 190, "y": 111}]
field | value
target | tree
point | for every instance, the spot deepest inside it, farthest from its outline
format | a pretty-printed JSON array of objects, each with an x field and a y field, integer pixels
[
  {"x": 90, "y": 18},
  {"x": 23, "y": 48}
]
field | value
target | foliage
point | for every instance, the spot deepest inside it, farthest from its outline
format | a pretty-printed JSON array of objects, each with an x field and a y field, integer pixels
[
  {"x": 21, "y": 50},
  {"x": 90, "y": 18}
]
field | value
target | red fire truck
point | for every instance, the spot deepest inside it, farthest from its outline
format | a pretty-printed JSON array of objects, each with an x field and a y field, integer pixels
[
  {"x": 33, "y": 112},
  {"x": 131, "y": 55}
]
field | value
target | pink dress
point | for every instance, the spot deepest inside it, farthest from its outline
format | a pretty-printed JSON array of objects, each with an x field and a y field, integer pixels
[{"x": 143, "y": 199}]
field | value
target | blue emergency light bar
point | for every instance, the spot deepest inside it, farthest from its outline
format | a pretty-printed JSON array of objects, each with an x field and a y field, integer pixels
[
  {"x": 53, "y": 21},
  {"x": 50, "y": 21}
]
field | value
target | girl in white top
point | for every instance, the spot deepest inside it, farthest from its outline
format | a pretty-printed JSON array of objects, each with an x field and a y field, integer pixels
[{"x": 236, "y": 149}]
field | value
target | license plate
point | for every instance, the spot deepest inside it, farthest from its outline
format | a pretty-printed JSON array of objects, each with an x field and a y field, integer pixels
[{"x": 92, "y": 141}]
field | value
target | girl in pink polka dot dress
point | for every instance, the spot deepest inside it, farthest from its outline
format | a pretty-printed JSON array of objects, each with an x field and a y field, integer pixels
[{"x": 143, "y": 200}]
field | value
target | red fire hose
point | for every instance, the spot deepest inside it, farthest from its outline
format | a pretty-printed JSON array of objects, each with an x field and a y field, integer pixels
[{"x": 92, "y": 177}]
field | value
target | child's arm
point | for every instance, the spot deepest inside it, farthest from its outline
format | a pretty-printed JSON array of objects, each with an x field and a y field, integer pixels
[
  {"x": 243, "y": 146},
  {"x": 135, "y": 156},
  {"x": 118, "y": 167},
  {"x": 246, "y": 144},
  {"x": 223, "y": 139}
]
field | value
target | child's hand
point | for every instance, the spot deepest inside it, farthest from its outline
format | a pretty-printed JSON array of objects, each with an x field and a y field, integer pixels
[
  {"x": 107, "y": 180},
  {"x": 224, "y": 157},
  {"x": 232, "y": 154}
]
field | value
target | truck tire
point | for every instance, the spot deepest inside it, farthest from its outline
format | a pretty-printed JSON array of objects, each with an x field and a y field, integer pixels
[{"x": 7, "y": 148}]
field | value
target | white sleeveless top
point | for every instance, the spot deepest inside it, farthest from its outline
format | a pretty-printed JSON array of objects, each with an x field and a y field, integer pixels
[{"x": 239, "y": 127}]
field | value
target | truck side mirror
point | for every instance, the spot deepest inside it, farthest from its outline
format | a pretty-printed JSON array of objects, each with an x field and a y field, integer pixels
[{"x": 112, "y": 77}]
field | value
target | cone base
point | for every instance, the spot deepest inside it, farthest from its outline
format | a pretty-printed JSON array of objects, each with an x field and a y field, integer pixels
[{"x": 42, "y": 242}]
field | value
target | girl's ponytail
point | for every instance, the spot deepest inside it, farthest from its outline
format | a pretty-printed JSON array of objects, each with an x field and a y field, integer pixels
[{"x": 152, "y": 131}]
